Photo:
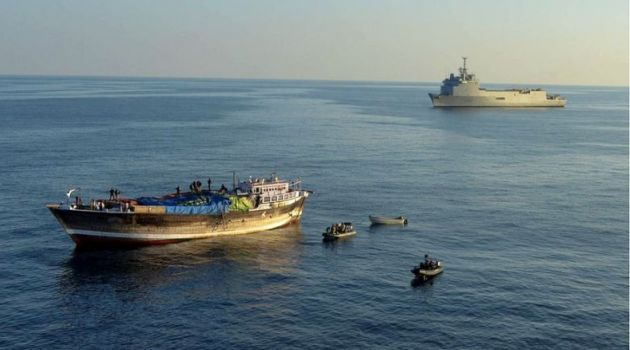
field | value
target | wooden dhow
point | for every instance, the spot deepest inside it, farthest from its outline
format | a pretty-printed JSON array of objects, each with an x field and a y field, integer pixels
[{"x": 252, "y": 206}]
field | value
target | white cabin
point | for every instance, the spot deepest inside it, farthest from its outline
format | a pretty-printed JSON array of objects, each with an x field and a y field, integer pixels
[{"x": 271, "y": 189}]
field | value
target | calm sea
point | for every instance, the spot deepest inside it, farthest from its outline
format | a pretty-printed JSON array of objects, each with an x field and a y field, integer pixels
[{"x": 528, "y": 208}]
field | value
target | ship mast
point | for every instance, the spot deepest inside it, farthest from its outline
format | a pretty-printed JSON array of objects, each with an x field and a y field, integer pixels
[{"x": 462, "y": 71}]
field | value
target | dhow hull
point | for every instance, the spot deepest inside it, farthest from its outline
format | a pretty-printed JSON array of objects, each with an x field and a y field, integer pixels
[{"x": 112, "y": 228}]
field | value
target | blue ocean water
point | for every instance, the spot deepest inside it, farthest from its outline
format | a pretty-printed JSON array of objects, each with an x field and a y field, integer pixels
[{"x": 528, "y": 208}]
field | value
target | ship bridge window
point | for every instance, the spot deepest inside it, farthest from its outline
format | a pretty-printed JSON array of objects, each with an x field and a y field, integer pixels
[{"x": 500, "y": 98}]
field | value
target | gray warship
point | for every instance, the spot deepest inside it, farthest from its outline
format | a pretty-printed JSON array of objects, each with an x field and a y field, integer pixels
[{"x": 463, "y": 91}]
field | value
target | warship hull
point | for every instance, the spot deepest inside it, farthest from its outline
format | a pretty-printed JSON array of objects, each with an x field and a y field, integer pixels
[
  {"x": 493, "y": 101},
  {"x": 151, "y": 225}
]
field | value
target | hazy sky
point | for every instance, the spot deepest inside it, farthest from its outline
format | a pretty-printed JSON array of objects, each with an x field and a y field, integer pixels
[{"x": 534, "y": 41}]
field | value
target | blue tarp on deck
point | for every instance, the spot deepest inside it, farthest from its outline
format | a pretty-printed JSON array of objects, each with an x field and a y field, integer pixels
[
  {"x": 190, "y": 204},
  {"x": 198, "y": 209},
  {"x": 157, "y": 201}
]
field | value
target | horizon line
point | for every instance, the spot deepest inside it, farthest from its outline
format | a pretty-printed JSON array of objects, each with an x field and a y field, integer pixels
[{"x": 169, "y": 77}]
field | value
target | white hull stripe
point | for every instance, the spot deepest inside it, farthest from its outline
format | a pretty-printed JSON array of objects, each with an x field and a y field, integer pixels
[{"x": 175, "y": 236}]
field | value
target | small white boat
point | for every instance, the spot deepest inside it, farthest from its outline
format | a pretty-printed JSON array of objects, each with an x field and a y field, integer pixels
[
  {"x": 339, "y": 230},
  {"x": 428, "y": 269},
  {"x": 388, "y": 220},
  {"x": 426, "y": 274}
]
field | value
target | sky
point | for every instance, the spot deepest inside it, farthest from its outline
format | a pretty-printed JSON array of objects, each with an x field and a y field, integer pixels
[{"x": 535, "y": 41}]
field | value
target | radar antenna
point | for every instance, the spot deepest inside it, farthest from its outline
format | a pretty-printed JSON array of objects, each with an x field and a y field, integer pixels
[{"x": 463, "y": 70}]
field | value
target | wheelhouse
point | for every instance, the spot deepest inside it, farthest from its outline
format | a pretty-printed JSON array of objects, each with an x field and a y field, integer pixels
[{"x": 271, "y": 189}]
